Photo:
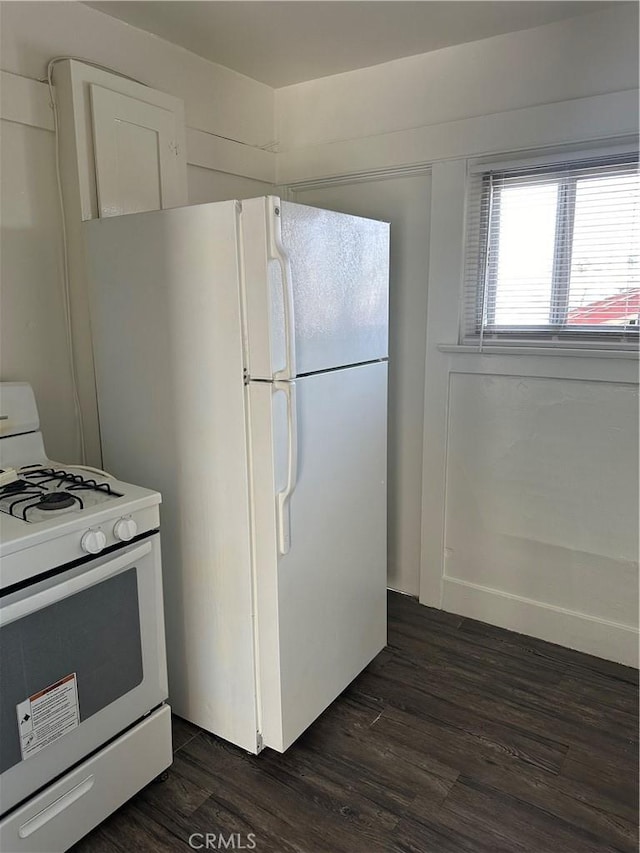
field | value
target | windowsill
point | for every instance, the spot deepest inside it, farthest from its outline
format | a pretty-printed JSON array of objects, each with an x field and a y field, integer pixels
[{"x": 517, "y": 349}]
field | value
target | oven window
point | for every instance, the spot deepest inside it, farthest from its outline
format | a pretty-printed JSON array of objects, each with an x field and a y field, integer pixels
[{"x": 94, "y": 633}]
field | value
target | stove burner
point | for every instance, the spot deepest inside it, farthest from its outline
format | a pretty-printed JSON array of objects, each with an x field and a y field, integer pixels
[{"x": 55, "y": 500}]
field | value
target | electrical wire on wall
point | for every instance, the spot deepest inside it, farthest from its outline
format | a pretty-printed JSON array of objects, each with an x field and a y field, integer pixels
[{"x": 65, "y": 248}]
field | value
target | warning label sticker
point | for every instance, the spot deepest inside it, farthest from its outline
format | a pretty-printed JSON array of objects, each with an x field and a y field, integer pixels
[{"x": 48, "y": 715}]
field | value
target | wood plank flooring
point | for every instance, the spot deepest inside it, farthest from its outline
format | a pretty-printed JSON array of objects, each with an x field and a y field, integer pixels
[{"x": 459, "y": 738}]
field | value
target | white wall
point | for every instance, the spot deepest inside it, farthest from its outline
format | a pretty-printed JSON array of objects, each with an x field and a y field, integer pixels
[
  {"x": 529, "y": 461},
  {"x": 577, "y": 58},
  {"x": 529, "y": 474},
  {"x": 33, "y": 342},
  {"x": 211, "y": 185},
  {"x": 217, "y": 101}
]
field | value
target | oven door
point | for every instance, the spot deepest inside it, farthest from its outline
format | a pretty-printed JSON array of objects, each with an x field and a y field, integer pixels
[{"x": 82, "y": 657}]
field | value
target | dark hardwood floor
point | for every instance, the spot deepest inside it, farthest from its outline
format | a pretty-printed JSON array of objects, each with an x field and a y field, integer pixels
[{"x": 458, "y": 737}]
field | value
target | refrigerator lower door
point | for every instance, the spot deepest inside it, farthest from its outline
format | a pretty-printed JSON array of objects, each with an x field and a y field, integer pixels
[{"x": 319, "y": 539}]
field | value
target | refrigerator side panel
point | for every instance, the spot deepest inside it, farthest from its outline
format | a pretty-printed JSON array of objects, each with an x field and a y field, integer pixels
[
  {"x": 339, "y": 268},
  {"x": 321, "y": 607},
  {"x": 166, "y": 321}
]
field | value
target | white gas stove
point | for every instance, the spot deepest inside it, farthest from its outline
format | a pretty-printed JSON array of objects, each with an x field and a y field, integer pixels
[
  {"x": 52, "y": 514},
  {"x": 83, "y": 719}
]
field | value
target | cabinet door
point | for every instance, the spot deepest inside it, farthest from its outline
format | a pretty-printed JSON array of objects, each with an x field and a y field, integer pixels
[{"x": 138, "y": 162}]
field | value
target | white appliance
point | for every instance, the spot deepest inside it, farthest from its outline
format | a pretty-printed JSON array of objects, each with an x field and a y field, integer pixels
[
  {"x": 244, "y": 345},
  {"x": 83, "y": 719}
]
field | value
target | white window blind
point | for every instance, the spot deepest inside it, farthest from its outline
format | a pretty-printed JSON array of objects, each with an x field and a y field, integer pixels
[{"x": 553, "y": 252}]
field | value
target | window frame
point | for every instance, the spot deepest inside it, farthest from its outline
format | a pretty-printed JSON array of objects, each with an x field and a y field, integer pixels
[{"x": 487, "y": 250}]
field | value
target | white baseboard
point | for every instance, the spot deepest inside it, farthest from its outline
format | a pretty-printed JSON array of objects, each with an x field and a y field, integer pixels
[{"x": 599, "y": 637}]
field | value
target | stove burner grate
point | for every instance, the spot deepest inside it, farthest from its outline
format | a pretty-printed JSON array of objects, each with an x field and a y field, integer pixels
[
  {"x": 26, "y": 496},
  {"x": 48, "y": 475},
  {"x": 48, "y": 490},
  {"x": 13, "y": 488}
]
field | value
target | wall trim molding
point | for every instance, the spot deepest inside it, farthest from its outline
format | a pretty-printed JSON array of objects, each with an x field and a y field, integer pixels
[
  {"x": 209, "y": 151},
  {"x": 26, "y": 101},
  {"x": 532, "y": 350},
  {"x": 586, "y": 633},
  {"x": 612, "y": 371},
  {"x": 404, "y": 152},
  {"x": 588, "y": 119},
  {"x": 360, "y": 178},
  {"x": 444, "y": 289}
]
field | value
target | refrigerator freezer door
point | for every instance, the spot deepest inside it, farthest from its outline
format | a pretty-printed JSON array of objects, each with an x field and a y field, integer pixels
[
  {"x": 321, "y": 606},
  {"x": 316, "y": 285}
]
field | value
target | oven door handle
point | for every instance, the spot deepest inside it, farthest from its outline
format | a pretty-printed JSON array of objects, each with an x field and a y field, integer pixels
[{"x": 44, "y": 598}]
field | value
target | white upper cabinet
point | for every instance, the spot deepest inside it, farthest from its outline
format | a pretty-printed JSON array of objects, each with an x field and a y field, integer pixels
[
  {"x": 138, "y": 162},
  {"x": 123, "y": 145}
]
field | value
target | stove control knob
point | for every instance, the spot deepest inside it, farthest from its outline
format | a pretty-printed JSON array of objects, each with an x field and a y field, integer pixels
[
  {"x": 93, "y": 541},
  {"x": 125, "y": 529}
]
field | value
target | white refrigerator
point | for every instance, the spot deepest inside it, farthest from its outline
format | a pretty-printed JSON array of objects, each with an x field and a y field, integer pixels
[{"x": 241, "y": 369}]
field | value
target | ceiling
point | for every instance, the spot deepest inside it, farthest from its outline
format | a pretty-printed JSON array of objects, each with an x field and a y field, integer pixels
[{"x": 280, "y": 43}]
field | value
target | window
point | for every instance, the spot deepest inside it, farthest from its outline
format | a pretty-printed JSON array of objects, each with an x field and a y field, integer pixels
[{"x": 553, "y": 253}]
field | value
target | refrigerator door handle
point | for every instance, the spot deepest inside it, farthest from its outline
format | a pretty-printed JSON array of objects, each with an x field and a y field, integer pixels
[
  {"x": 279, "y": 254},
  {"x": 283, "y": 498}
]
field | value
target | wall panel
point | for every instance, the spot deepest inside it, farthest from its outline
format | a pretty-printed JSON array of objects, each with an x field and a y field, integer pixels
[{"x": 541, "y": 491}]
